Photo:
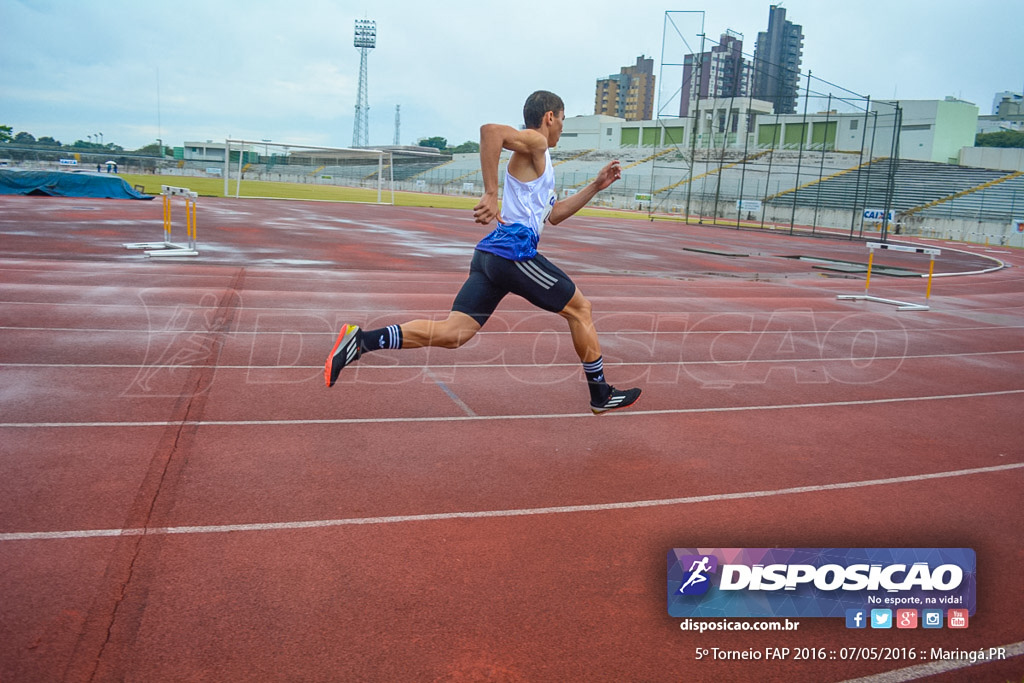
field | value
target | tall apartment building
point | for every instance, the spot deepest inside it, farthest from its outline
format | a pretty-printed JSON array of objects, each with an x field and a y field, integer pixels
[
  {"x": 628, "y": 94},
  {"x": 777, "y": 56},
  {"x": 719, "y": 73}
]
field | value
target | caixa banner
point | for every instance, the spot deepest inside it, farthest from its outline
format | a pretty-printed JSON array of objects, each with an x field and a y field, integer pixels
[{"x": 817, "y": 582}]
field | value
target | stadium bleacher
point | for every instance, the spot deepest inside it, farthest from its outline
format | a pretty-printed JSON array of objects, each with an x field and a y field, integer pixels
[
  {"x": 918, "y": 186},
  {"x": 1002, "y": 199}
]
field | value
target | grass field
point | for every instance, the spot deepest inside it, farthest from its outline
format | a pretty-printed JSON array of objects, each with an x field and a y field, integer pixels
[{"x": 214, "y": 187}]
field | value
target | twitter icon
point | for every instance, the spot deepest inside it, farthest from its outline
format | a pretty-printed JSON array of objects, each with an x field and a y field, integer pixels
[{"x": 881, "y": 618}]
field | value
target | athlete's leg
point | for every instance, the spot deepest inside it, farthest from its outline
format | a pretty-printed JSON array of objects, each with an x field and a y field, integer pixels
[
  {"x": 603, "y": 397},
  {"x": 546, "y": 286},
  {"x": 578, "y": 312},
  {"x": 473, "y": 305},
  {"x": 450, "y": 333},
  {"x": 353, "y": 342}
]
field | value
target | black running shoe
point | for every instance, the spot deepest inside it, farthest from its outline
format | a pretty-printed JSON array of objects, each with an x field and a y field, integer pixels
[
  {"x": 616, "y": 399},
  {"x": 345, "y": 350}
]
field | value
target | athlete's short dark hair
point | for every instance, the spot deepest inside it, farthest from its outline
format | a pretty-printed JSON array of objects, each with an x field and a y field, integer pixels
[{"x": 538, "y": 104}]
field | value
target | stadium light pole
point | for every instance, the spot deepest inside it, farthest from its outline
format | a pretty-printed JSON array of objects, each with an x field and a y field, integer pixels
[{"x": 365, "y": 39}]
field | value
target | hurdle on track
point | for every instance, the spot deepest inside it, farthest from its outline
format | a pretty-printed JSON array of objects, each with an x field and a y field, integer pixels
[
  {"x": 167, "y": 247},
  {"x": 900, "y": 305}
]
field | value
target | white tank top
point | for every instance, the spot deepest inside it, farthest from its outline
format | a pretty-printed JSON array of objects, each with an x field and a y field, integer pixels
[{"x": 529, "y": 203}]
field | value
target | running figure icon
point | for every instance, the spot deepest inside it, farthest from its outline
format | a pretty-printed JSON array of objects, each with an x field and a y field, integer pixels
[{"x": 697, "y": 571}]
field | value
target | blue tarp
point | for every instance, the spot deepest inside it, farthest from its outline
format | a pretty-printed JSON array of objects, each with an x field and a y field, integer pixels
[{"x": 57, "y": 184}]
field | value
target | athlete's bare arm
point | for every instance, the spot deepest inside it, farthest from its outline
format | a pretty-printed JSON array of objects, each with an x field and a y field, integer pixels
[
  {"x": 526, "y": 163},
  {"x": 573, "y": 203}
]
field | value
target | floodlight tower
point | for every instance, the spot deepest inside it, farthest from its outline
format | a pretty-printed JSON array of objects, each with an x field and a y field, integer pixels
[{"x": 365, "y": 39}]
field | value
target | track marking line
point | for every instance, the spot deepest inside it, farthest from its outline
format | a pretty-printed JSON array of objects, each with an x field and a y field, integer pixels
[
  {"x": 467, "y": 366},
  {"x": 493, "y": 418},
  {"x": 912, "y": 673},
  {"x": 485, "y": 514},
  {"x": 451, "y": 394},
  {"x": 622, "y": 332},
  {"x": 813, "y": 296}
]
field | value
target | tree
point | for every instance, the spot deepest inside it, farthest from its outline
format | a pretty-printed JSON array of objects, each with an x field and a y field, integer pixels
[
  {"x": 109, "y": 147},
  {"x": 153, "y": 149},
  {"x": 467, "y": 147},
  {"x": 5, "y": 134},
  {"x": 435, "y": 142},
  {"x": 24, "y": 138},
  {"x": 1003, "y": 138},
  {"x": 49, "y": 141}
]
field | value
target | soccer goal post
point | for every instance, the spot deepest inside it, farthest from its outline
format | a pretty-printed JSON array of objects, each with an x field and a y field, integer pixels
[{"x": 280, "y": 170}]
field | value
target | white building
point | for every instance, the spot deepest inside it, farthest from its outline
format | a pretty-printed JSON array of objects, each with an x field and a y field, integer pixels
[
  {"x": 208, "y": 151},
  {"x": 597, "y": 131},
  {"x": 930, "y": 130},
  {"x": 719, "y": 118},
  {"x": 935, "y": 130}
]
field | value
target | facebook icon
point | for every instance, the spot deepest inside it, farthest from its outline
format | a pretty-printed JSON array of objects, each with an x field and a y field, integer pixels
[{"x": 856, "y": 618}]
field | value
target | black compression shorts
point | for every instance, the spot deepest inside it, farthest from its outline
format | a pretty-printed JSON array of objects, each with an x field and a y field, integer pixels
[{"x": 491, "y": 277}]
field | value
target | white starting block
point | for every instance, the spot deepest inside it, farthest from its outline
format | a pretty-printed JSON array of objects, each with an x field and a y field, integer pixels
[
  {"x": 900, "y": 305},
  {"x": 167, "y": 247}
]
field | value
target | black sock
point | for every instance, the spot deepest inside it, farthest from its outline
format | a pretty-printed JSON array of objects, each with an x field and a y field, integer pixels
[
  {"x": 599, "y": 388},
  {"x": 389, "y": 337}
]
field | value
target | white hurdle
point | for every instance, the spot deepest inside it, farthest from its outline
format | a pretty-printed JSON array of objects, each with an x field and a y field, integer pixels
[
  {"x": 900, "y": 305},
  {"x": 168, "y": 248}
]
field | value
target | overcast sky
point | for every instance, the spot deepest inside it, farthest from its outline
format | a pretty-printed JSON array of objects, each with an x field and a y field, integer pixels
[{"x": 287, "y": 71}]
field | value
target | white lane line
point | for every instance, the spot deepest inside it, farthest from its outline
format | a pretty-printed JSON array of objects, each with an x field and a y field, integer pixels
[
  {"x": 677, "y": 301},
  {"x": 619, "y": 332},
  {"x": 913, "y": 673},
  {"x": 493, "y": 418},
  {"x": 476, "y": 366},
  {"x": 484, "y": 514}
]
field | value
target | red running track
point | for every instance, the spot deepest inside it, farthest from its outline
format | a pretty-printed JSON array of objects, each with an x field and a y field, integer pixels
[{"x": 182, "y": 499}]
